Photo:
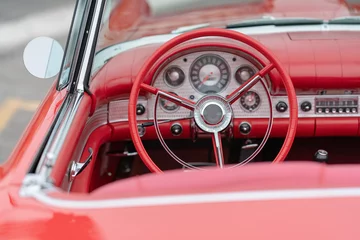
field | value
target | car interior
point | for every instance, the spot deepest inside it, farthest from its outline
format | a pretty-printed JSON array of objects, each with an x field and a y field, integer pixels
[{"x": 180, "y": 98}]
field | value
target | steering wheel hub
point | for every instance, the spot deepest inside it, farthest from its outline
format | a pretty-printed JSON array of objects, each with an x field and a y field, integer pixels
[{"x": 213, "y": 113}]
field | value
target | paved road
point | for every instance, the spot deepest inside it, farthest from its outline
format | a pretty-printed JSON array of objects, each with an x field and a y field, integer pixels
[{"x": 20, "y": 92}]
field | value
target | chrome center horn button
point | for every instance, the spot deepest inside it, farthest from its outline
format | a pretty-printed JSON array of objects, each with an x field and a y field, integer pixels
[{"x": 212, "y": 113}]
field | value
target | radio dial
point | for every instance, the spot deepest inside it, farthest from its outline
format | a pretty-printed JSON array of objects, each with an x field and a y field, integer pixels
[{"x": 335, "y": 104}]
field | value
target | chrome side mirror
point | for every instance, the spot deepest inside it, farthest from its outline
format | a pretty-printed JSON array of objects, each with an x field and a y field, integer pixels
[{"x": 43, "y": 56}]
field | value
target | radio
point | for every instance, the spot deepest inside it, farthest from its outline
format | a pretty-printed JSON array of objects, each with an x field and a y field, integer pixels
[{"x": 331, "y": 105}]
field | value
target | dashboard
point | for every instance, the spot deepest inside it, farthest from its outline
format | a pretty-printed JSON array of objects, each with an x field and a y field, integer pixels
[
  {"x": 195, "y": 74},
  {"x": 325, "y": 75}
]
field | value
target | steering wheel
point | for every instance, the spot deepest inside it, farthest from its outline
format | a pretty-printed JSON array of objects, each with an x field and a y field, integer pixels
[{"x": 212, "y": 113}]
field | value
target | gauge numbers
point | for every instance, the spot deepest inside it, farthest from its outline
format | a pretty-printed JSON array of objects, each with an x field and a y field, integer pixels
[
  {"x": 209, "y": 74},
  {"x": 250, "y": 101}
]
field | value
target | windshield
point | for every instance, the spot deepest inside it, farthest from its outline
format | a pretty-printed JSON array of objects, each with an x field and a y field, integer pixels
[{"x": 132, "y": 23}]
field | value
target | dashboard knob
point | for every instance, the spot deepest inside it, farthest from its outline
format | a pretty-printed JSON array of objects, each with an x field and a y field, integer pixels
[
  {"x": 321, "y": 156},
  {"x": 281, "y": 107},
  {"x": 140, "y": 109},
  {"x": 245, "y": 128},
  {"x": 176, "y": 129},
  {"x": 306, "y": 106},
  {"x": 141, "y": 130}
]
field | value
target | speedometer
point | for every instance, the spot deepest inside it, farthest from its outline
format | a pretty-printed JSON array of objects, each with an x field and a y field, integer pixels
[{"x": 209, "y": 73}]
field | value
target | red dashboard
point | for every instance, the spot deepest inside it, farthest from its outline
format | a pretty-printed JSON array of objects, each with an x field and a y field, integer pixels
[{"x": 323, "y": 67}]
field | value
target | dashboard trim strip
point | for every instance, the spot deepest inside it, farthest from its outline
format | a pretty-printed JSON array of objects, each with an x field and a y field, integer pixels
[{"x": 118, "y": 110}]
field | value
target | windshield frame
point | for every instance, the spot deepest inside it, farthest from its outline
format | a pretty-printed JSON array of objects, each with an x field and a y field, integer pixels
[{"x": 72, "y": 49}]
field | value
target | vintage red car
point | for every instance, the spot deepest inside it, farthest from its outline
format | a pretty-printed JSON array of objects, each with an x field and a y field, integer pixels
[{"x": 189, "y": 119}]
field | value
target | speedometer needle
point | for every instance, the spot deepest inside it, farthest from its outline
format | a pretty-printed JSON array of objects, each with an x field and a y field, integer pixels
[{"x": 207, "y": 77}]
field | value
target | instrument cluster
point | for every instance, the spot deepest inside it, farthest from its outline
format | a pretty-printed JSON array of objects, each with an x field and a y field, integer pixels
[{"x": 207, "y": 72}]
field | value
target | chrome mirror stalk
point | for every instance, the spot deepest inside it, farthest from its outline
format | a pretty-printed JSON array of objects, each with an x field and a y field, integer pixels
[{"x": 76, "y": 168}]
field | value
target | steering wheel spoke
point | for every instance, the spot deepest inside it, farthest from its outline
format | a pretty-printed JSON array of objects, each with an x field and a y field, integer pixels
[
  {"x": 246, "y": 86},
  {"x": 218, "y": 150},
  {"x": 169, "y": 96}
]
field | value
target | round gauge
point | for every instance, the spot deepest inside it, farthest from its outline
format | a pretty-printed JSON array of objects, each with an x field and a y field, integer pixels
[
  {"x": 250, "y": 101},
  {"x": 244, "y": 73},
  {"x": 168, "y": 105},
  {"x": 174, "y": 76},
  {"x": 209, "y": 73}
]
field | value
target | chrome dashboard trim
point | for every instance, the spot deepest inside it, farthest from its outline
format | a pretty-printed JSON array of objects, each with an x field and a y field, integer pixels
[{"x": 118, "y": 111}]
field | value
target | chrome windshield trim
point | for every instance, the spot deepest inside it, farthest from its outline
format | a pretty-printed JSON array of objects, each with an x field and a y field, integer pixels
[
  {"x": 104, "y": 55},
  {"x": 72, "y": 49}
]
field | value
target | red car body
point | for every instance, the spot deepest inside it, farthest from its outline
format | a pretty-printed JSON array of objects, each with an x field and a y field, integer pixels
[{"x": 295, "y": 200}]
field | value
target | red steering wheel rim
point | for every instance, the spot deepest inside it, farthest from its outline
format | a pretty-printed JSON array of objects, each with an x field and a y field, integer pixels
[{"x": 209, "y": 32}]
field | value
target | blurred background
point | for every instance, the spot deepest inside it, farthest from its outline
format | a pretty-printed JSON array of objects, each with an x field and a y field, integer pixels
[{"x": 20, "y": 92}]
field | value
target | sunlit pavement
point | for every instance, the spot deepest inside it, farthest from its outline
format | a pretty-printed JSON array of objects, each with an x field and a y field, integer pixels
[{"x": 20, "y": 92}]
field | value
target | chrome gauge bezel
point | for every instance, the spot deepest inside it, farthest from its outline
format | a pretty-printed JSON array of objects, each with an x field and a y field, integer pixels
[
  {"x": 255, "y": 109},
  {"x": 223, "y": 61},
  {"x": 165, "y": 80},
  {"x": 242, "y": 66},
  {"x": 166, "y": 110}
]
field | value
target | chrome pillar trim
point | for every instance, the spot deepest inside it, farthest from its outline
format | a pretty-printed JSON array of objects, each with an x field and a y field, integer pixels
[
  {"x": 74, "y": 97},
  {"x": 53, "y": 148},
  {"x": 75, "y": 38},
  {"x": 92, "y": 34}
]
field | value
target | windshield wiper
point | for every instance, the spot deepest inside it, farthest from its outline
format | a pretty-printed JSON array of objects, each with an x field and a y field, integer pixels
[
  {"x": 345, "y": 20},
  {"x": 275, "y": 22}
]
